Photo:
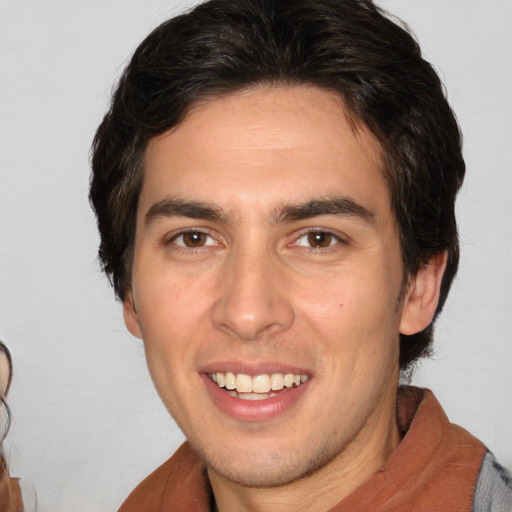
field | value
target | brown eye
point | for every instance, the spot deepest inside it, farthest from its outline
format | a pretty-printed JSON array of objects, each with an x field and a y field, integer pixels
[
  {"x": 192, "y": 239},
  {"x": 320, "y": 239}
]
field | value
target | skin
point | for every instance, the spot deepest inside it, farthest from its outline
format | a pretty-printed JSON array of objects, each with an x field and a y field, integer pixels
[
  {"x": 255, "y": 291},
  {"x": 5, "y": 377},
  {"x": 5, "y": 372}
]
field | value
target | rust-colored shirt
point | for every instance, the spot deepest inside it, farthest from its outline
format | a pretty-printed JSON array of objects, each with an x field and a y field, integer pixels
[
  {"x": 10, "y": 494},
  {"x": 435, "y": 468}
]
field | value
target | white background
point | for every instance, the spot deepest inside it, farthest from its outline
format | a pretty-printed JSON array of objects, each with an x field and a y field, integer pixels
[{"x": 87, "y": 422}]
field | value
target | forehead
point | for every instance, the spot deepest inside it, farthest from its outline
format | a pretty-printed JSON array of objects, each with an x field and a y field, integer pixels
[{"x": 262, "y": 145}]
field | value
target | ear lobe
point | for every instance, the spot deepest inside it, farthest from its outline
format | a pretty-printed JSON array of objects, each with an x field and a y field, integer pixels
[
  {"x": 131, "y": 318},
  {"x": 423, "y": 295}
]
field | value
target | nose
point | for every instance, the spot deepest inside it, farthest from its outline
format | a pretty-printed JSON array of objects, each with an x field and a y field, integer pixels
[{"x": 253, "y": 297}]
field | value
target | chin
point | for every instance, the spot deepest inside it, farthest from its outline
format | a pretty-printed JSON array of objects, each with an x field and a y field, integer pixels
[{"x": 264, "y": 468}]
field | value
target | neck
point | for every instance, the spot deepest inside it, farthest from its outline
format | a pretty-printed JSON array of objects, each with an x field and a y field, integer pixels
[{"x": 364, "y": 456}]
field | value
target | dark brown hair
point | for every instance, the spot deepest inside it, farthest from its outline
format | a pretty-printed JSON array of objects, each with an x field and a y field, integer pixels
[
  {"x": 3, "y": 404},
  {"x": 348, "y": 46}
]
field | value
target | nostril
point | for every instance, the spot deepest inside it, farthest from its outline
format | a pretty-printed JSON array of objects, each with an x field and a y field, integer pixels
[{"x": 252, "y": 319}]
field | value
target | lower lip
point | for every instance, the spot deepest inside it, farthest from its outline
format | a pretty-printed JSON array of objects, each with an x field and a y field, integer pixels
[{"x": 254, "y": 410}]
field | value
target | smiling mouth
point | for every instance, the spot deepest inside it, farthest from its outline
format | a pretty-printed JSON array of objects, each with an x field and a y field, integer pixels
[{"x": 259, "y": 387}]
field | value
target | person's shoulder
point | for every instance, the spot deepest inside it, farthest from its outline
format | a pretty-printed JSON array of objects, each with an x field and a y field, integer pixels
[
  {"x": 493, "y": 492},
  {"x": 150, "y": 494}
]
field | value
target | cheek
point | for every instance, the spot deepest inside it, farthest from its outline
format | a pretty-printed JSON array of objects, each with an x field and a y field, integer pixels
[
  {"x": 173, "y": 315},
  {"x": 170, "y": 303},
  {"x": 354, "y": 316},
  {"x": 171, "y": 322},
  {"x": 348, "y": 297}
]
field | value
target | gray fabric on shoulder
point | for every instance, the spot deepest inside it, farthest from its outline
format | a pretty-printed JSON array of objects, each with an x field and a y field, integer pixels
[{"x": 493, "y": 492}]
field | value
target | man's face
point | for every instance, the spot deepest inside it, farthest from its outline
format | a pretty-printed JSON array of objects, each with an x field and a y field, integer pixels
[{"x": 266, "y": 250}]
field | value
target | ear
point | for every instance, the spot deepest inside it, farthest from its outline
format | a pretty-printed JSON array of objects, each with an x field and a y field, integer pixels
[
  {"x": 423, "y": 295},
  {"x": 131, "y": 318}
]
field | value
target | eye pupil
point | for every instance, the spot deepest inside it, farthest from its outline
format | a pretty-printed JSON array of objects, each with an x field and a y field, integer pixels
[
  {"x": 194, "y": 239},
  {"x": 319, "y": 239}
]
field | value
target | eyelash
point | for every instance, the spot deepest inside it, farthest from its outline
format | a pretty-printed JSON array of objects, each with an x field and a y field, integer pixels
[
  {"x": 182, "y": 246},
  {"x": 333, "y": 240}
]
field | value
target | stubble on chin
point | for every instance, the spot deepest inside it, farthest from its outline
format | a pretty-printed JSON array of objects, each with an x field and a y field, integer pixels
[{"x": 270, "y": 469}]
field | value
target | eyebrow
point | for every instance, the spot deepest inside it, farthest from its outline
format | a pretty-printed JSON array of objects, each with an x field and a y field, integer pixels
[
  {"x": 180, "y": 208},
  {"x": 330, "y": 206},
  {"x": 172, "y": 207}
]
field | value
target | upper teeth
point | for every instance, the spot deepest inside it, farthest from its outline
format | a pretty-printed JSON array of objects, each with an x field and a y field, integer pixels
[{"x": 262, "y": 383}]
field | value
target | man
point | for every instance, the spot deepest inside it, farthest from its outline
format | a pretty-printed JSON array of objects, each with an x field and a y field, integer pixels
[{"x": 274, "y": 185}]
